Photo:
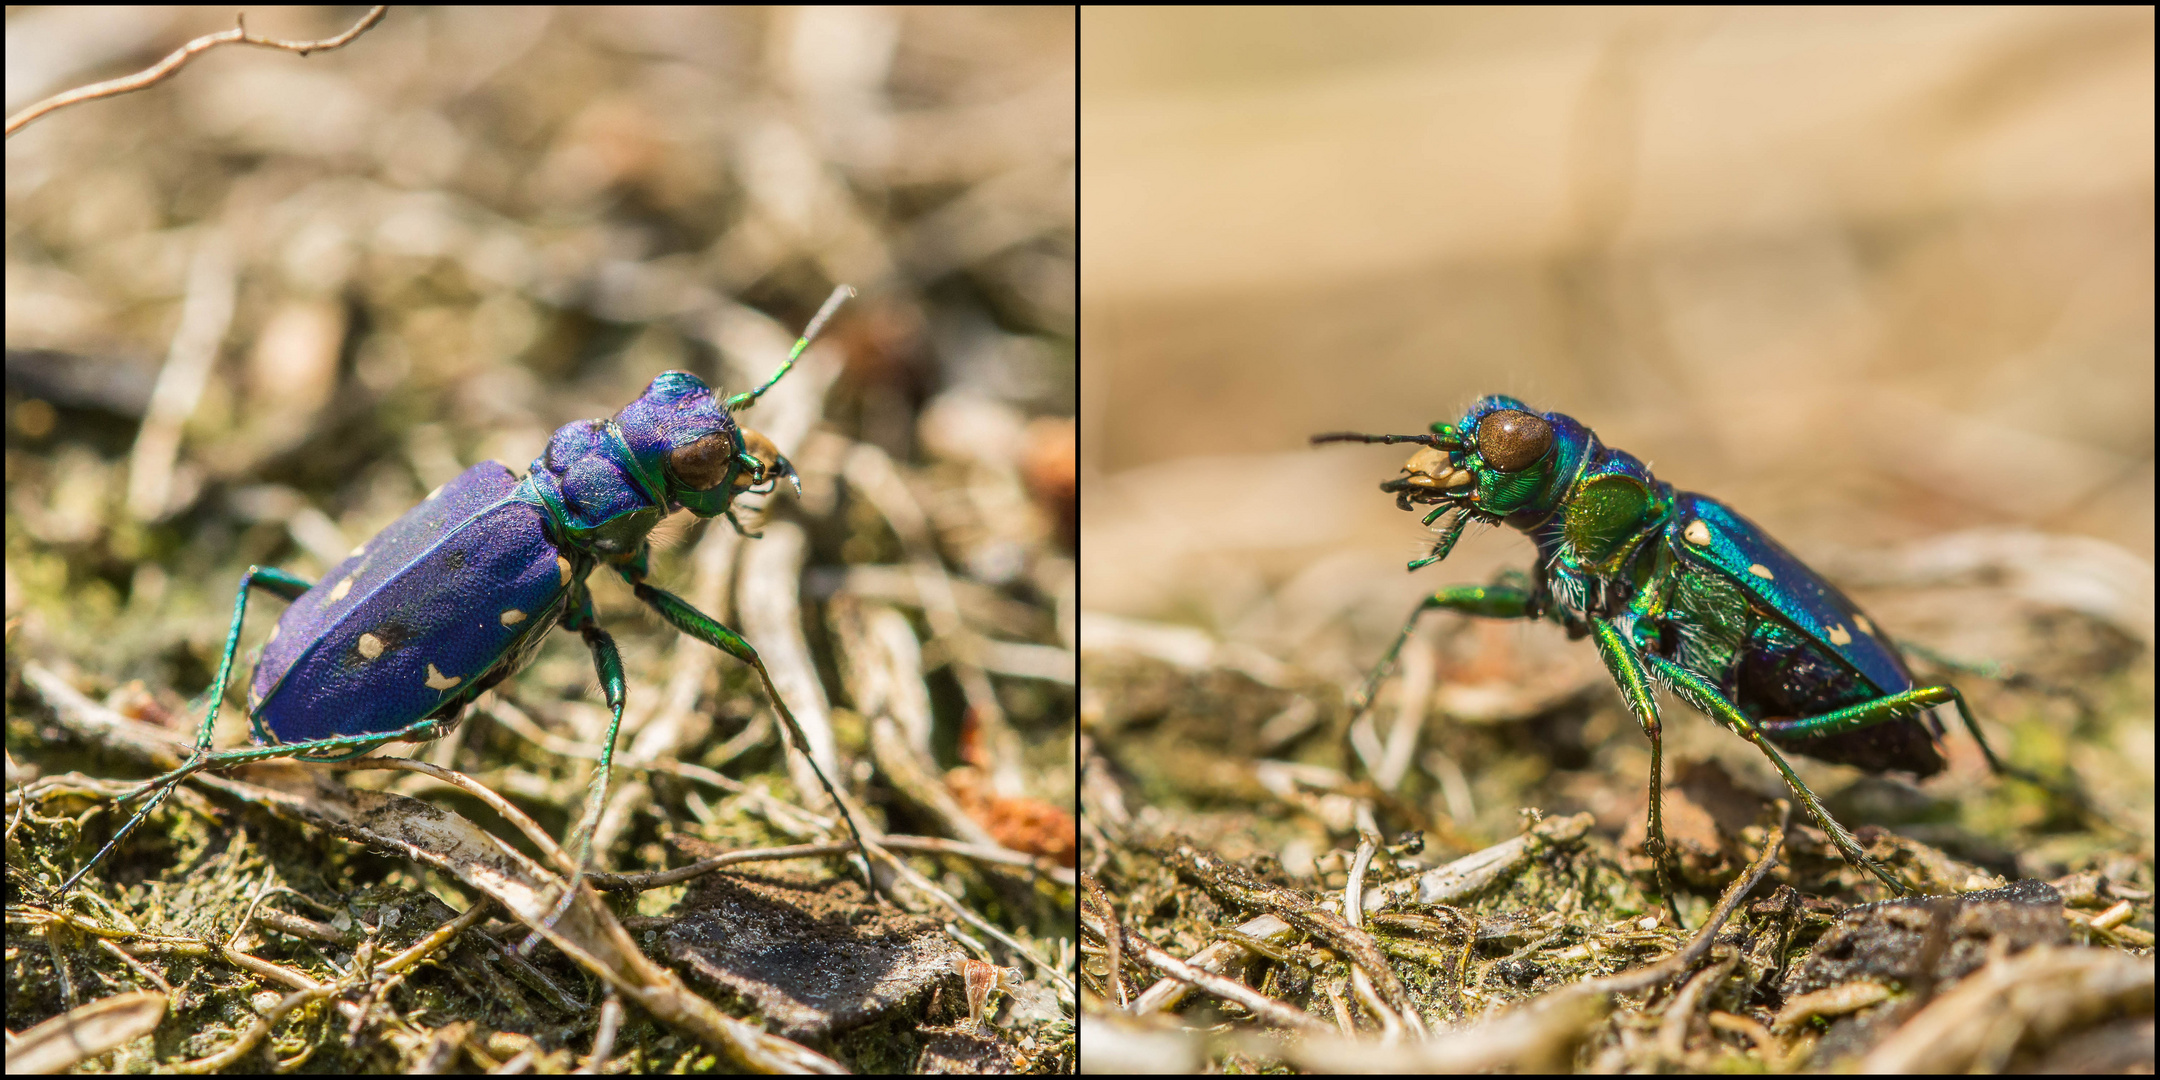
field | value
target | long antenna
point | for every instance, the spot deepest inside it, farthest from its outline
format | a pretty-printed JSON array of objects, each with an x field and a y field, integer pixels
[
  {"x": 1436, "y": 441},
  {"x": 809, "y": 334}
]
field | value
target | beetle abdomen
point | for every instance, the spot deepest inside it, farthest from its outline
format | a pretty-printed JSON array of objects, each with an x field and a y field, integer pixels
[{"x": 373, "y": 646}]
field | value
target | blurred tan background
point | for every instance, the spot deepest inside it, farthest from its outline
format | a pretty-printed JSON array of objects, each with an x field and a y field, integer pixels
[{"x": 1871, "y": 276}]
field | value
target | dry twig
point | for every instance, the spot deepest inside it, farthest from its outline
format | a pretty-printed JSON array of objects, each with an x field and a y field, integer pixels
[{"x": 178, "y": 59}]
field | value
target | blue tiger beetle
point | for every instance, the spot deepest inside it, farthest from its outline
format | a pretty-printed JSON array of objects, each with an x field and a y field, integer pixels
[
  {"x": 1678, "y": 590},
  {"x": 457, "y": 595}
]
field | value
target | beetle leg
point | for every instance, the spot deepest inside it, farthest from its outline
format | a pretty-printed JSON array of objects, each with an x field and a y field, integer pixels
[
  {"x": 1625, "y": 662},
  {"x": 273, "y": 581},
  {"x": 1712, "y": 702},
  {"x": 270, "y": 580},
  {"x": 1887, "y": 708},
  {"x": 607, "y": 661},
  {"x": 1867, "y": 714},
  {"x": 1495, "y": 601},
  {"x": 737, "y": 522},
  {"x": 713, "y": 632},
  {"x": 1891, "y": 707}
]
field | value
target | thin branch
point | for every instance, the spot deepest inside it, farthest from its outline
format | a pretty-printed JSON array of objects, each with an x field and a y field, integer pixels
[
  {"x": 1264, "y": 1008},
  {"x": 238, "y": 35}
]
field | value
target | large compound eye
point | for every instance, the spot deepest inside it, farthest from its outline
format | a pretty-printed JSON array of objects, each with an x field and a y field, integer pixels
[
  {"x": 1512, "y": 440},
  {"x": 703, "y": 464},
  {"x": 761, "y": 448}
]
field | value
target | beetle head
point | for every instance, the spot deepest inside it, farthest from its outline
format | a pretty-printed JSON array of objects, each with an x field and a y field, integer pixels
[
  {"x": 1497, "y": 461},
  {"x": 686, "y": 448}
]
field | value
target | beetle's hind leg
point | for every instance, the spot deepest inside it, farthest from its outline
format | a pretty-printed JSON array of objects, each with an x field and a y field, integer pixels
[
  {"x": 1701, "y": 694},
  {"x": 2012, "y": 678},
  {"x": 270, "y": 580},
  {"x": 2067, "y": 793}
]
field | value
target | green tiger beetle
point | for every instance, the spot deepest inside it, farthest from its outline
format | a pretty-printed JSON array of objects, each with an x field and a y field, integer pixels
[
  {"x": 1678, "y": 590},
  {"x": 457, "y": 595}
]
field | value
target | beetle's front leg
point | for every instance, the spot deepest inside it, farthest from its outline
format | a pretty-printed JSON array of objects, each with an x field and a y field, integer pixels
[
  {"x": 739, "y": 530},
  {"x": 1624, "y": 660},
  {"x": 713, "y": 632},
  {"x": 1499, "y": 600}
]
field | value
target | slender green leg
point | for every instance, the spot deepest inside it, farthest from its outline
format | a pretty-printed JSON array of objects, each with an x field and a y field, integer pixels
[
  {"x": 739, "y": 530},
  {"x": 608, "y": 663},
  {"x": 1485, "y": 601},
  {"x": 711, "y": 631},
  {"x": 1998, "y": 765},
  {"x": 1508, "y": 601},
  {"x": 1700, "y": 693},
  {"x": 1894, "y": 707},
  {"x": 1867, "y": 714},
  {"x": 2001, "y": 673},
  {"x": 1994, "y": 672},
  {"x": 1911, "y": 702},
  {"x": 1625, "y": 664},
  {"x": 277, "y": 583},
  {"x": 2069, "y": 794}
]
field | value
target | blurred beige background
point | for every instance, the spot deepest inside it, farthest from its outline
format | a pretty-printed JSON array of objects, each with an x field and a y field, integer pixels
[{"x": 1871, "y": 276}]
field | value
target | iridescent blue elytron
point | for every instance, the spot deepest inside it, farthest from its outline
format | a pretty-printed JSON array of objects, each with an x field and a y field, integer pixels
[
  {"x": 1678, "y": 590},
  {"x": 457, "y": 595}
]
